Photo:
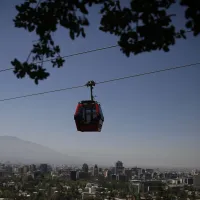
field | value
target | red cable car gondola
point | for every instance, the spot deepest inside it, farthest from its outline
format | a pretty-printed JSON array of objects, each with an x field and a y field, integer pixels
[{"x": 88, "y": 115}]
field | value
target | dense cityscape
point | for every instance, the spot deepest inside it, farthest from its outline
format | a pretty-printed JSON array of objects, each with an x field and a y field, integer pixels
[
  {"x": 93, "y": 182},
  {"x": 65, "y": 48}
]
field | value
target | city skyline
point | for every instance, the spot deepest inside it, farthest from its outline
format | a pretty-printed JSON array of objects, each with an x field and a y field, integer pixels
[
  {"x": 27, "y": 152},
  {"x": 149, "y": 120},
  {"x": 82, "y": 182}
]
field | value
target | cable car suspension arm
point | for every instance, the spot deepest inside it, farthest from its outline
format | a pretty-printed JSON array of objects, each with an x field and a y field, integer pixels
[{"x": 91, "y": 84}]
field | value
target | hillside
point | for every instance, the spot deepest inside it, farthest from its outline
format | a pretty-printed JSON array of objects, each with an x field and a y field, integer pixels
[{"x": 15, "y": 150}]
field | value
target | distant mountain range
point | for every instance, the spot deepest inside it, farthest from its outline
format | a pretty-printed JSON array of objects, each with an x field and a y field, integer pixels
[{"x": 15, "y": 150}]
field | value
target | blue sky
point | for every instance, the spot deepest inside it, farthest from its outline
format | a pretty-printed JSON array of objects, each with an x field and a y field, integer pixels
[{"x": 149, "y": 120}]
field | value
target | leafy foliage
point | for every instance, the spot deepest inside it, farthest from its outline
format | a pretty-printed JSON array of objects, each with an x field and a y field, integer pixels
[{"x": 144, "y": 26}]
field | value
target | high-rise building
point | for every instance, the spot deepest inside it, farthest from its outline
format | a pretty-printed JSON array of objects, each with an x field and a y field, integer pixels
[
  {"x": 189, "y": 180},
  {"x": 137, "y": 171},
  {"x": 121, "y": 177},
  {"x": 83, "y": 175},
  {"x": 95, "y": 170},
  {"x": 196, "y": 181},
  {"x": 106, "y": 173},
  {"x": 73, "y": 175},
  {"x": 119, "y": 169},
  {"x": 112, "y": 169},
  {"x": 44, "y": 168},
  {"x": 25, "y": 169},
  {"x": 128, "y": 173},
  {"x": 85, "y": 168},
  {"x": 32, "y": 167}
]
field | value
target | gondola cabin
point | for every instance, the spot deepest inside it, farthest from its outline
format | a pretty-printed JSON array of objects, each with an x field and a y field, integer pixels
[{"x": 89, "y": 116}]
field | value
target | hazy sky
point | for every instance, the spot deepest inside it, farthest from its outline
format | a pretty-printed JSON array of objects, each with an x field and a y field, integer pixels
[{"x": 151, "y": 120}]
